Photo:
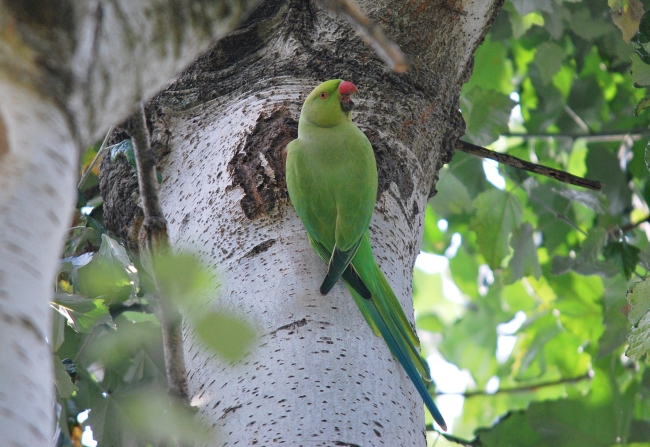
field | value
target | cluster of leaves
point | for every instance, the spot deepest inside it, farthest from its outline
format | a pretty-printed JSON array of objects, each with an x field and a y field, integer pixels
[
  {"x": 544, "y": 330},
  {"x": 107, "y": 340}
]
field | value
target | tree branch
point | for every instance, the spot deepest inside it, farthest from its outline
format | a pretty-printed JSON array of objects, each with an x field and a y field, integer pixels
[
  {"x": 476, "y": 442},
  {"x": 518, "y": 163},
  {"x": 157, "y": 242},
  {"x": 521, "y": 389},
  {"x": 631, "y": 226},
  {"x": 592, "y": 137},
  {"x": 372, "y": 33}
]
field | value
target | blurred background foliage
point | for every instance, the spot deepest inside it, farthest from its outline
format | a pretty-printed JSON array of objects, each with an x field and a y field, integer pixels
[
  {"x": 521, "y": 290},
  {"x": 521, "y": 293}
]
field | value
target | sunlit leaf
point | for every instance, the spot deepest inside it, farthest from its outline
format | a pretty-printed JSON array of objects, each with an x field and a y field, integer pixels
[
  {"x": 497, "y": 214},
  {"x": 110, "y": 275},
  {"x": 82, "y": 313}
]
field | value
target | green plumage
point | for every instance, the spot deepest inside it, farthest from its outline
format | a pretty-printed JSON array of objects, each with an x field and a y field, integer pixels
[{"x": 332, "y": 183}]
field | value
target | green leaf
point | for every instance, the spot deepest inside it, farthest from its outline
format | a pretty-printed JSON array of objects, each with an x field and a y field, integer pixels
[
  {"x": 586, "y": 99},
  {"x": 639, "y": 338},
  {"x": 587, "y": 26},
  {"x": 58, "y": 330},
  {"x": 524, "y": 7},
  {"x": 452, "y": 197},
  {"x": 182, "y": 277},
  {"x": 492, "y": 68},
  {"x": 549, "y": 58},
  {"x": 464, "y": 270},
  {"x": 638, "y": 297},
  {"x": 486, "y": 113},
  {"x": 228, "y": 335},
  {"x": 596, "y": 419},
  {"x": 497, "y": 214},
  {"x": 472, "y": 341},
  {"x": 83, "y": 314},
  {"x": 139, "y": 416},
  {"x": 110, "y": 275},
  {"x": 640, "y": 72},
  {"x": 623, "y": 255},
  {"x": 125, "y": 149},
  {"x": 524, "y": 261},
  {"x": 603, "y": 165},
  {"x": 62, "y": 380}
]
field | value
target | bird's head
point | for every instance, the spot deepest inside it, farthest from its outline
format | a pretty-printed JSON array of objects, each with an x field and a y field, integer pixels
[{"x": 330, "y": 103}]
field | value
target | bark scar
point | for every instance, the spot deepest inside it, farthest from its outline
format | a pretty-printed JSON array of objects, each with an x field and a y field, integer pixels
[{"x": 258, "y": 167}]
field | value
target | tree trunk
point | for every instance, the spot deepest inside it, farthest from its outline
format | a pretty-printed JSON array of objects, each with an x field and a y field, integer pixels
[
  {"x": 318, "y": 376},
  {"x": 68, "y": 69}
]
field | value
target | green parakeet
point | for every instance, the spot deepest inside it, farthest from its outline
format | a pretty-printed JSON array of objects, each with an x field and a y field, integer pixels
[{"x": 332, "y": 183}]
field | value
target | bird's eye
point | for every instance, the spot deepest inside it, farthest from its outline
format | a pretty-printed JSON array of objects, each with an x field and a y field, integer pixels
[{"x": 323, "y": 95}]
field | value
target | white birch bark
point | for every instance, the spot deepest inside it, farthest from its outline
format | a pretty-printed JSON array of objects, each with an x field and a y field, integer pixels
[
  {"x": 318, "y": 376},
  {"x": 67, "y": 71},
  {"x": 37, "y": 175}
]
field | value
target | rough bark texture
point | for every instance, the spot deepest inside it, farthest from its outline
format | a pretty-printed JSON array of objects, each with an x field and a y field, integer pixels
[
  {"x": 68, "y": 69},
  {"x": 318, "y": 376}
]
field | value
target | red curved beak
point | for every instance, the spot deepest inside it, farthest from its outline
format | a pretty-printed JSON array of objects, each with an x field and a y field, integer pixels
[{"x": 347, "y": 88}]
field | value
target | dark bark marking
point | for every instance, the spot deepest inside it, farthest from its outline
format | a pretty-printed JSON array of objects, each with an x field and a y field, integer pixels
[
  {"x": 291, "y": 326},
  {"x": 264, "y": 186},
  {"x": 230, "y": 410},
  {"x": 260, "y": 248},
  {"x": 347, "y": 444}
]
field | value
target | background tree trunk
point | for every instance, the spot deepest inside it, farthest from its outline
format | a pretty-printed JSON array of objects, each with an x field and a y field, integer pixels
[
  {"x": 318, "y": 376},
  {"x": 68, "y": 70}
]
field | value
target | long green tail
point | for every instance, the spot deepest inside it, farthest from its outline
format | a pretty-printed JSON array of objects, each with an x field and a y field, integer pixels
[{"x": 386, "y": 317}]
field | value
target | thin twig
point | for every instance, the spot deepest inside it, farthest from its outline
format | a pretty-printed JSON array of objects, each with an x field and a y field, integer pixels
[
  {"x": 372, "y": 33},
  {"x": 518, "y": 163},
  {"x": 476, "y": 442},
  {"x": 522, "y": 389},
  {"x": 576, "y": 118},
  {"x": 157, "y": 241},
  {"x": 591, "y": 137},
  {"x": 101, "y": 150},
  {"x": 631, "y": 226}
]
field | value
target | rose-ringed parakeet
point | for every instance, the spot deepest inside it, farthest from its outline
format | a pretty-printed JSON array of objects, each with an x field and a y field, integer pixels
[{"x": 332, "y": 183}]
